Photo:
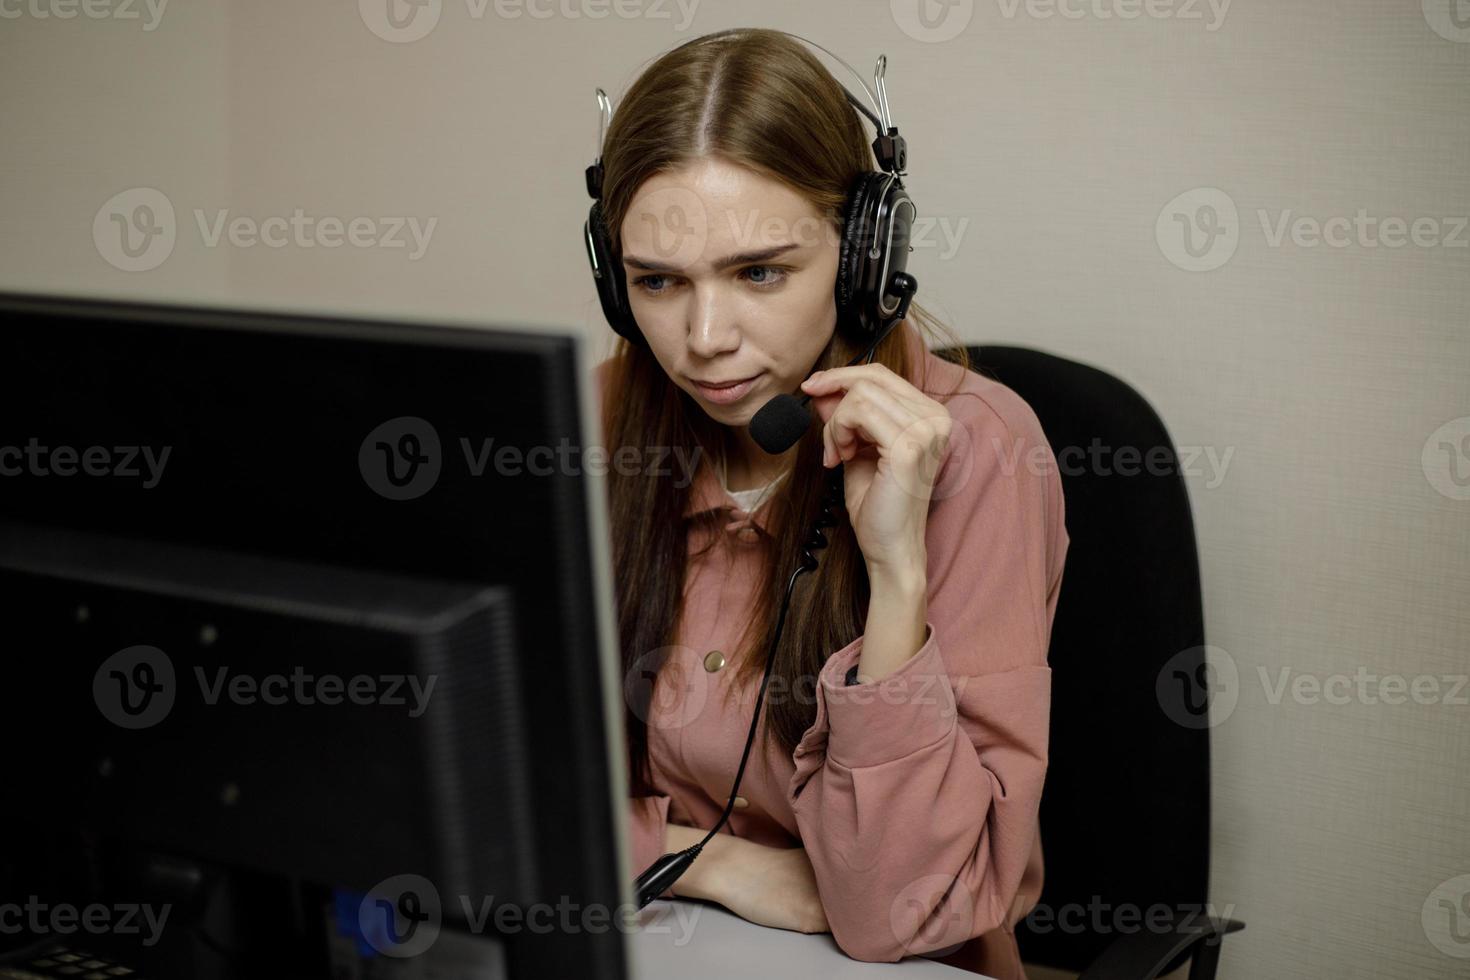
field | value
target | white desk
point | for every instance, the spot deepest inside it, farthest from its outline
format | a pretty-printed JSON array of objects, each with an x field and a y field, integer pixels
[{"x": 679, "y": 940}]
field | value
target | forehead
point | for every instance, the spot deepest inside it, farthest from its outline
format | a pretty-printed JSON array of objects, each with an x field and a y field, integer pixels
[{"x": 712, "y": 208}]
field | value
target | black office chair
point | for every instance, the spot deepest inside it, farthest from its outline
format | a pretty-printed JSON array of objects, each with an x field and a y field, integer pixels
[{"x": 1125, "y": 815}]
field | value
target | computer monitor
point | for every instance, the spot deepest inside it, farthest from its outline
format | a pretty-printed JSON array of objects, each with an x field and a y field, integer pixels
[{"x": 307, "y": 620}]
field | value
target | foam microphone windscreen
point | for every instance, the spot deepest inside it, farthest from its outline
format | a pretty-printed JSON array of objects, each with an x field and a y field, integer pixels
[{"x": 780, "y": 423}]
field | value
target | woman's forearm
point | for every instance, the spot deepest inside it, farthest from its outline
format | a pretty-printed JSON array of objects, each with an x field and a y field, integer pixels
[
  {"x": 705, "y": 876},
  {"x": 898, "y": 608}
]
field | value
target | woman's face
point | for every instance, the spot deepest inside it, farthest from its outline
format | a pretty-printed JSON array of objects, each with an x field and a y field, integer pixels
[{"x": 730, "y": 277}]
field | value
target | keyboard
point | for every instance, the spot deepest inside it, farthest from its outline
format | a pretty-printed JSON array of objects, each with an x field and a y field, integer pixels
[{"x": 60, "y": 960}]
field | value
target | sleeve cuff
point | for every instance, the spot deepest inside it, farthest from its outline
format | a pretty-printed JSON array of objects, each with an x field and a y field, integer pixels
[{"x": 895, "y": 716}]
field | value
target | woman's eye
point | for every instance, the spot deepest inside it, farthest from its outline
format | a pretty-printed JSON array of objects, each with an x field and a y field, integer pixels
[
  {"x": 760, "y": 276},
  {"x": 765, "y": 276},
  {"x": 652, "y": 284}
]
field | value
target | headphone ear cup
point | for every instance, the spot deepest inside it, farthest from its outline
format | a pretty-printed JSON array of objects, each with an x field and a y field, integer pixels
[
  {"x": 612, "y": 285},
  {"x": 857, "y": 301},
  {"x": 850, "y": 255}
]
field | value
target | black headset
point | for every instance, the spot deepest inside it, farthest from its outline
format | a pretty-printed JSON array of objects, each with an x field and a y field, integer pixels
[{"x": 873, "y": 289}]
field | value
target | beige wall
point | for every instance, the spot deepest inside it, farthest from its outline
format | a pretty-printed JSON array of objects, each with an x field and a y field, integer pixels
[{"x": 1053, "y": 145}]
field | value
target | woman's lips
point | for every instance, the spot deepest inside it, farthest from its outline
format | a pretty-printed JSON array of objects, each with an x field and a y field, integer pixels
[{"x": 727, "y": 394}]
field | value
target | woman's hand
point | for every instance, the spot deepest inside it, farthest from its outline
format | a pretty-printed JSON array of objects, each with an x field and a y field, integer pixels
[
  {"x": 771, "y": 886},
  {"x": 892, "y": 437}
]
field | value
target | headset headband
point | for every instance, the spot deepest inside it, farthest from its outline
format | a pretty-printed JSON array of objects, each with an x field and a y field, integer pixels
[{"x": 889, "y": 148}]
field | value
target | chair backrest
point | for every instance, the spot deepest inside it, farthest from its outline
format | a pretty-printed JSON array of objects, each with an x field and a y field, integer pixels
[{"x": 1125, "y": 816}]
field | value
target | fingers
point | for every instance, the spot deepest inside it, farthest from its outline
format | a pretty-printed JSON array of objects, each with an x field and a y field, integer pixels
[
  {"x": 872, "y": 414},
  {"x": 872, "y": 404},
  {"x": 866, "y": 413},
  {"x": 836, "y": 380}
]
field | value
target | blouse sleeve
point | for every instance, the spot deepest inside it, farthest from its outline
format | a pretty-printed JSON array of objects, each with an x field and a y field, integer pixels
[{"x": 917, "y": 794}]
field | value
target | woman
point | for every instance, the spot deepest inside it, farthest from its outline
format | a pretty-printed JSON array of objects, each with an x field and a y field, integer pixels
[{"x": 892, "y": 796}]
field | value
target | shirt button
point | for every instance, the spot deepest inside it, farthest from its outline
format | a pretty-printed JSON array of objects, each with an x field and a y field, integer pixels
[
  {"x": 713, "y": 661},
  {"x": 741, "y": 803},
  {"x": 747, "y": 534}
]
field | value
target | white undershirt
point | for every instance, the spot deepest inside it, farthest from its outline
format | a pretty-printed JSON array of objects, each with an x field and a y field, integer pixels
[{"x": 749, "y": 500}]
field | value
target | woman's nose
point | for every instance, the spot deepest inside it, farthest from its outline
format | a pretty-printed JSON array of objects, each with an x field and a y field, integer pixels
[{"x": 712, "y": 327}]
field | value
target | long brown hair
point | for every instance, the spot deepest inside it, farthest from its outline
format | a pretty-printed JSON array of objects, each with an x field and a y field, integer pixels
[{"x": 760, "y": 100}]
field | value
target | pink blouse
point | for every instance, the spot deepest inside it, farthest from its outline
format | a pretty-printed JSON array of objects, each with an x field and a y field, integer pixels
[{"x": 915, "y": 795}]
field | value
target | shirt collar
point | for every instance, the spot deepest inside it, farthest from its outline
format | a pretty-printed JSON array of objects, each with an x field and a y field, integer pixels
[{"x": 707, "y": 496}]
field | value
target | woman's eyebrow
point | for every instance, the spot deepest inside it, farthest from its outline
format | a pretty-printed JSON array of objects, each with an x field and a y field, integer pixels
[{"x": 743, "y": 258}]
